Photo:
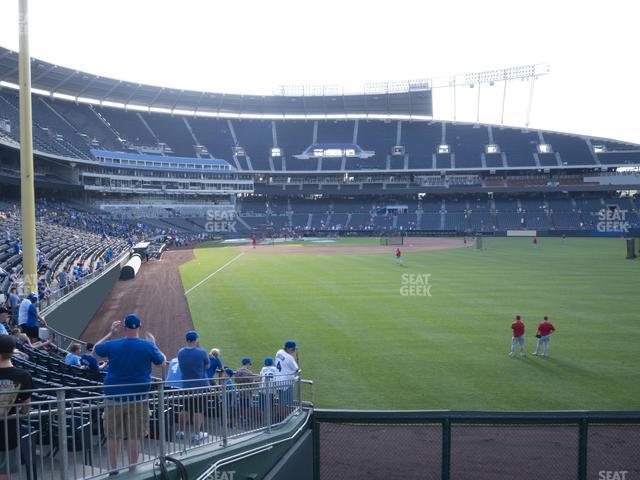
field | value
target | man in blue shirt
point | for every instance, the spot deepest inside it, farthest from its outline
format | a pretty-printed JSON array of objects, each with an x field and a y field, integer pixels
[
  {"x": 130, "y": 360},
  {"x": 194, "y": 362},
  {"x": 29, "y": 318}
]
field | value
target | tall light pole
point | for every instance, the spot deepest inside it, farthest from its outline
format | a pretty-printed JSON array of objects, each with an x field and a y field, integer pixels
[{"x": 27, "y": 190}]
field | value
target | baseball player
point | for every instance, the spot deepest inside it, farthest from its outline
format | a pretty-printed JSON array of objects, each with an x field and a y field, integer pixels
[
  {"x": 398, "y": 256},
  {"x": 518, "y": 336},
  {"x": 545, "y": 329}
]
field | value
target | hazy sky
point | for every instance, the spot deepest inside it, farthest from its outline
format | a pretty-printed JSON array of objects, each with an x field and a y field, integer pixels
[{"x": 251, "y": 46}]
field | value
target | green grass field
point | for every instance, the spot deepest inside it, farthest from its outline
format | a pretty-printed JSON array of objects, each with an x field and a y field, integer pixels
[{"x": 367, "y": 346}]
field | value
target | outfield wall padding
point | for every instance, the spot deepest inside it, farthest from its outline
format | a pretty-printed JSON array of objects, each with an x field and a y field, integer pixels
[{"x": 72, "y": 315}]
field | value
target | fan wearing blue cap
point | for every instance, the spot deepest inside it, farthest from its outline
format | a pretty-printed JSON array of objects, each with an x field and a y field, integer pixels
[
  {"x": 268, "y": 374},
  {"x": 29, "y": 319},
  {"x": 127, "y": 383},
  {"x": 288, "y": 368},
  {"x": 194, "y": 362}
]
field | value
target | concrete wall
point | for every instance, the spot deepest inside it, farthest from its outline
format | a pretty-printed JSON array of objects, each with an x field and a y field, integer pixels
[{"x": 72, "y": 315}]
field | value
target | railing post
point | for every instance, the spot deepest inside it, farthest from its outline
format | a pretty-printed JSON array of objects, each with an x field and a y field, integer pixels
[
  {"x": 225, "y": 415},
  {"x": 269, "y": 405},
  {"x": 62, "y": 434},
  {"x": 162, "y": 427},
  {"x": 583, "y": 434},
  {"x": 299, "y": 395},
  {"x": 446, "y": 449}
]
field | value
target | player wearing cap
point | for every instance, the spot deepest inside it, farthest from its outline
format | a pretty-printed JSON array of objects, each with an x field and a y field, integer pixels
[
  {"x": 517, "y": 328},
  {"x": 127, "y": 383},
  {"x": 398, "y": 256},
  {"x": 545, "y": 329},
  {"x": 29, "y": 319},
  {"x": 194, "y": 362},
  {"x": 288, "y": 367},
  {"x": 15, "y": 382}
]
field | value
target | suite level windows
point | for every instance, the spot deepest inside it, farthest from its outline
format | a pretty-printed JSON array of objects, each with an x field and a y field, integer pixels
[
  {"x": 276, "y": 152},
  {"x": 545, "y": 148},
  {"x": 334, "y": 152},
  {"x": 492, "y": 149},
  {"x": 444, "y": 148}
]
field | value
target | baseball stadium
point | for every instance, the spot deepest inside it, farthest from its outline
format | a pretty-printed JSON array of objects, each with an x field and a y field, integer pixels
[{"x": 313, "y": 284}]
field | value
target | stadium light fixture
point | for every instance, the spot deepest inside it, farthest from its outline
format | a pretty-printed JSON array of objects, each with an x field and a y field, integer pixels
[{"x": 545, "y": 148}]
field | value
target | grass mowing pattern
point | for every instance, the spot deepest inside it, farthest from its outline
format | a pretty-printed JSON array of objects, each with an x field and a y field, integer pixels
[{"x": 367, "y": 346}]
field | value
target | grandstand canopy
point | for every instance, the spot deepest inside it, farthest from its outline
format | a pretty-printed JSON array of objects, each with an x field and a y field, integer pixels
[{"x": 72, "y": 84}]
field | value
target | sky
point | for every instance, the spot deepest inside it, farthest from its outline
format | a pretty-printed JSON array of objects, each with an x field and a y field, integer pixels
[{"x": 247, "y": 46}]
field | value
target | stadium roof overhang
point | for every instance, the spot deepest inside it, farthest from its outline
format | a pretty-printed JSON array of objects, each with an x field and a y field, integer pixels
[{"x": 74, "y": 85}]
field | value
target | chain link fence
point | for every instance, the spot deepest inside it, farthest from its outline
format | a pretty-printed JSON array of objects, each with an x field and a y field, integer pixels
[{"x": 476, "y": 446}]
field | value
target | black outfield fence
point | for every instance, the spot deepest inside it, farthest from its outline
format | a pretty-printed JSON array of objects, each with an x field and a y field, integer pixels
[{"x": 447, "y": 445}]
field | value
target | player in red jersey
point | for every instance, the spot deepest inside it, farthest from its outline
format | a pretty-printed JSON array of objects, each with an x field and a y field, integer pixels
[
  {"x": 535, "y": 242},
  {"x": 398, "y": 256},
  {"x": 518, "y": 336},
  {"x": 253, "y": 241},
  {"x": 545, "y": 329}
]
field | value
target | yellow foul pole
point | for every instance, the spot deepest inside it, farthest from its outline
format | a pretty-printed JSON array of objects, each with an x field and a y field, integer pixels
[{"x": 27, "y": 189}]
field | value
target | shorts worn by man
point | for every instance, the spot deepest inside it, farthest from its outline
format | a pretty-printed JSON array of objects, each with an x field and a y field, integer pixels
[
  {"x": 14, "y": 383},
  {"x": 127, "y": 384}
]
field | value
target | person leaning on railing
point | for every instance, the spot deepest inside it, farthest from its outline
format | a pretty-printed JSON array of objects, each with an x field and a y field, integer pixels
[
  {"x": 15, "y": 384},
  {"x": 127, "y": 384}
]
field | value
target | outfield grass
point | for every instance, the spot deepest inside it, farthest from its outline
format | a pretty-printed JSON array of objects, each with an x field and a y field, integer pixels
[{"x": 367, "y": 346}]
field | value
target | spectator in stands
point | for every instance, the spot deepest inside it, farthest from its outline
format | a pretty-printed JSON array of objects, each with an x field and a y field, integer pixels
[
  {"x": 288, "y": 367},
  {"x": 215, "y": 364},
  {"x": 29, "y": 319},
  {"x": 62, "y": 278},
  {"x": 73, "y": 357},
  {"x": 16, "y": 385},
  {"x": 268, "y": 373},
  {"x": 127, "y": 383},
  {"x": 194, "y": 362},
  {"x": 88, "y": 361},
  {"x": 244, "y": 375},
  {"x": 13, "y": 302},
  {"x": 23, "y": 339}
]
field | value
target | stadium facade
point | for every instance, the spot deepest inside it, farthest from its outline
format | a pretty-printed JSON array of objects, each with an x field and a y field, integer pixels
[{"x": 312, "y": 163}]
